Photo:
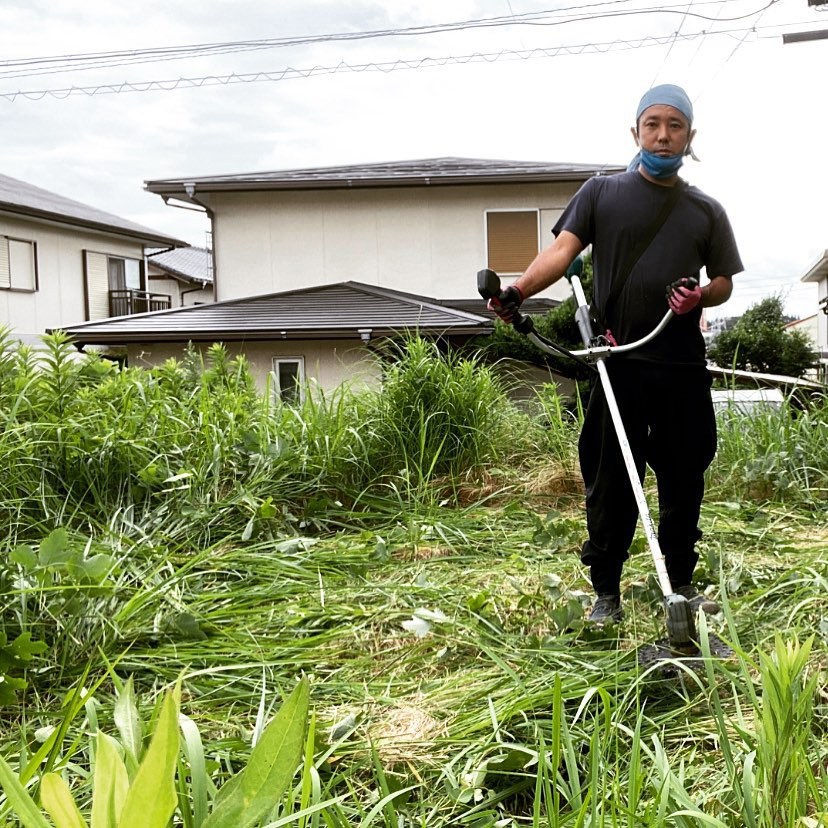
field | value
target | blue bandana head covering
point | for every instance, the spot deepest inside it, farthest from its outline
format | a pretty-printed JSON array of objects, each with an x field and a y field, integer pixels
[{"x": 666, "y": 94}]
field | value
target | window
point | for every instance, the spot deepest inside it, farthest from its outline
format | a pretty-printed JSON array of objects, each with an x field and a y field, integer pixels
[
  {"x": 124, "y": 274},
  {"x": 18, "y": 264},
  {"x": 511, "y": 239},
  {"x": 289, "y": 378}
]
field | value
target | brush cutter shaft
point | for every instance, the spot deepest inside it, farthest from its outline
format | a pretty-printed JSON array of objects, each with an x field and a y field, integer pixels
[{"x": 638, "y": 489}]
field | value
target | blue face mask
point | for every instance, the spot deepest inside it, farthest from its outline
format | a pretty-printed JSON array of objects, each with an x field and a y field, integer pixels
[{"x": 659, "y": 166}]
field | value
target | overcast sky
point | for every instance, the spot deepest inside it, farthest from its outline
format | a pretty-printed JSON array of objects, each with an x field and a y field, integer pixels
[{"x": 760, "y": 105}]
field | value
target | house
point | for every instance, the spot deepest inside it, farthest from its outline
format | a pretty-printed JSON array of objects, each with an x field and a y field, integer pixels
[
  {"x": 326, "y": 334},
  {"x": 818, "y": 272},
  {"x": 62, "y": 262},
  {"x": 417, "y": 231},
  {"x": 185, "y": 274},
  {"x": 423, "y": 226}
]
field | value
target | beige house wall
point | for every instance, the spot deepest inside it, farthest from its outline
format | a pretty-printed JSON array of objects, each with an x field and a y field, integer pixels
[
  {"x": 59, "y": 299},
  {"x": 160, "y": 282},
  {"x": 425, "y": 240},
  {"x": 809, "y": 326},
  {"x": 328, "y": 363}
]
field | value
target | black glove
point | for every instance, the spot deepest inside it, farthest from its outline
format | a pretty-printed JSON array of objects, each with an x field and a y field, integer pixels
[
  {"x": 688, "y": 282},
  {"x": 506, "y": 305},
  {"x": 683, "y": 295}
]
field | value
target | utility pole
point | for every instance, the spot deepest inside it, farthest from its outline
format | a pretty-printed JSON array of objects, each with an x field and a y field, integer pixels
[{"x": 819, "y": 34}]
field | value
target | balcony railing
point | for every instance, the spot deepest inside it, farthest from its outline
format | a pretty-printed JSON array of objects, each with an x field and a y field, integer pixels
[{"x": 128, "y": 302}]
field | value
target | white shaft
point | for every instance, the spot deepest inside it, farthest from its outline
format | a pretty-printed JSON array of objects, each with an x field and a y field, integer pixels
[{"x": 638, "y": 489}]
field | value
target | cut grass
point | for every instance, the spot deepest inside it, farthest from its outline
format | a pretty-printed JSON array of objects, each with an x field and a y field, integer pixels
[{"x": 452, "y": 712}]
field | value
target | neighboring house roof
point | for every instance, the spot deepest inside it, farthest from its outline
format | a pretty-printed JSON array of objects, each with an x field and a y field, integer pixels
[
  {"x": 191, "y": 264},
  {"x": 417, "y": 173},
  {"x": 818, "y": 270},
  {"x": 25, "y": 199},
  {"x": 342, "y": 311},
  {"x": 797, "y": 322},
  {"x": 533, "y": 306}
]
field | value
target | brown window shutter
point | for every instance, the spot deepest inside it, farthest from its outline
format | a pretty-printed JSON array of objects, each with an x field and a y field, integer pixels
[{"x": 512, "y": 239}]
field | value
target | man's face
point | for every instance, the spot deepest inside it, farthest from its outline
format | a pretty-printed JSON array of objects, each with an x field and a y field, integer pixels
[{"x": 663, "y": 130}]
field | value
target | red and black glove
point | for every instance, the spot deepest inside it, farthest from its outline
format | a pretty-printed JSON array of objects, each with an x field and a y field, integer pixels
[
  {"x": 683, "y": 295},
  {"x": 507, "y": 304}
]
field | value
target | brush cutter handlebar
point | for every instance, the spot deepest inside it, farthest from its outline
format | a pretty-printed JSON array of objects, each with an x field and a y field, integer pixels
[{"x": 488, "y": 286}]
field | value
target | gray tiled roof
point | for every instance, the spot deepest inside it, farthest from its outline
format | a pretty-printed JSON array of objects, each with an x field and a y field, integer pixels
[
  {"x": 190, "y": 263},
  {"x": 26, "y": 199},
  {"x": 534, "y": 306},
  {"x": 421, "y": 172},
  {"x": 337, "y": 311}
]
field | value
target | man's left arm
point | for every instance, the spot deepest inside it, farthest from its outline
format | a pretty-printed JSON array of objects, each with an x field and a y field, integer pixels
[{"x": 717, "y": 291}]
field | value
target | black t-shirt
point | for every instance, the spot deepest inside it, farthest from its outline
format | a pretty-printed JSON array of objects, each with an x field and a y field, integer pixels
[{"x": 611, "y": 213}]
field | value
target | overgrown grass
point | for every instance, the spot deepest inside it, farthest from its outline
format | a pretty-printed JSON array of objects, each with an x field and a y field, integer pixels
[{"x": 246, "y": 543}]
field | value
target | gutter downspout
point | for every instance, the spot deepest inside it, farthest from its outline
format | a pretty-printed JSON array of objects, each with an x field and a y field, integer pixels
[
  {"x": 183, "y": 293},
  {"x": 189, "y": 189}
]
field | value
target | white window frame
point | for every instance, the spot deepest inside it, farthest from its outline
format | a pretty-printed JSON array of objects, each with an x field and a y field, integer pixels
[
  {"x": 535, "y": 210},
  {"x": 277, "y": 388},
  {"x": 6, "y": 272}
]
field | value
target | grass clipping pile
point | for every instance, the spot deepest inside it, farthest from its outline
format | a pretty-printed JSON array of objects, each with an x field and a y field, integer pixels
[{"x": 403, "y": 732}]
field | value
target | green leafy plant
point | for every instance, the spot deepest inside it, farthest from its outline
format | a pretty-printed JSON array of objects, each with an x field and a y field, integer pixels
[{"x": 138, "y": 789}]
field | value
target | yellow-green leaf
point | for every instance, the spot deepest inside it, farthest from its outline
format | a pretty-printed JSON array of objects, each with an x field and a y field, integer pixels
[
  {"x": 111, "y": 784},
  {"x": 18, "y": 797},
  {"x": 58, "y": 802},
  {"x": 128, "y": 722},
  {"x": 152, "y": 797},
  {"x": 272, "y": 764}
]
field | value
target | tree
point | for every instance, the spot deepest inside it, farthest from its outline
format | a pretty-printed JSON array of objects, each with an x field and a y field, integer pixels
[{"x": 759, "y": 342}]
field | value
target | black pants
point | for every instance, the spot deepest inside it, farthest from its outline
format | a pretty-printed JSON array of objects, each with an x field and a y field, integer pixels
[{"x": 668, "y": 415}]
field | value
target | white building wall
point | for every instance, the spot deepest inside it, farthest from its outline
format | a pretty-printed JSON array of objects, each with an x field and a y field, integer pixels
[
  {"x": 328, "y": 363},
  {"x": 59, "y": 299},
  {"x": 174, "y": 289},
  {"x": 426, "y": 240}
]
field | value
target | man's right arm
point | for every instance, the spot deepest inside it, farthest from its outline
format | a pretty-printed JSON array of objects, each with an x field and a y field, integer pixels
[{"x": 550, "y": 264}]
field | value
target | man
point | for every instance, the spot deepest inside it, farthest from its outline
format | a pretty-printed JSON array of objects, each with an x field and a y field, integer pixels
[{"x": 663, "y": 388}]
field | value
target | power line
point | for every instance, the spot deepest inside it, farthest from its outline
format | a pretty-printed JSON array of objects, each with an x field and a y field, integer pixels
[
  {"x": 30, "y": 67},
  {"x": 290, "y": 72},
  {"x": 672, "y": 43}
]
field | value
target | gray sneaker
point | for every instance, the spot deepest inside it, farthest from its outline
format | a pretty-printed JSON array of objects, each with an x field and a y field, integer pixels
[
  {"x": 606, "y": 609},
  {"x": 698, "y": 601}
]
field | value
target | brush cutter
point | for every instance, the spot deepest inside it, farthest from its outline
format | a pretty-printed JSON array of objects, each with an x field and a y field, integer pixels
[{"x": 681, "y": 626}]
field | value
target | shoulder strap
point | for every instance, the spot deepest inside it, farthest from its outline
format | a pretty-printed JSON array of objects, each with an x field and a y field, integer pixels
[{"x": 644, "y": 242}]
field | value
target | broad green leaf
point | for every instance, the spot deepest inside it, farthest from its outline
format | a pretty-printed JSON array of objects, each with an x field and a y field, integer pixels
[
  {"x": 18, "y": 797},
  {"x": 111, "y": 784},
  {"x": 271, "y": 767},
  {"x": 58, "y": 801},
  {"x": 54, "y": 549},
  {"x": 152, "y": 797},
  {"x": 24, "y": 648},
  {"x": 25, "y": 556},
  {"x": 128, "y": 722}
]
